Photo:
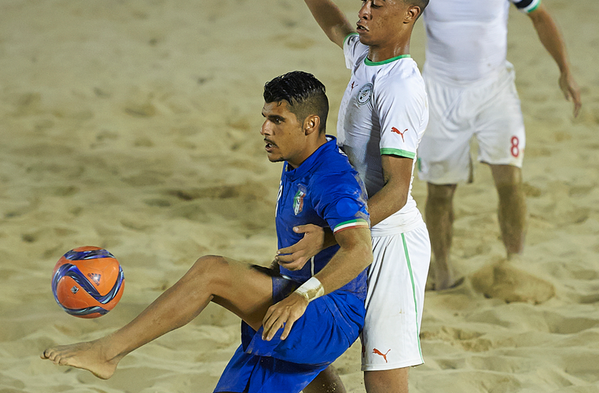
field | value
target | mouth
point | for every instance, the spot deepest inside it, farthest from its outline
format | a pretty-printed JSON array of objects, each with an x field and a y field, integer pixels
[
  {"x": 361, "y": 28},
  {"x": 269, "y": 146}
]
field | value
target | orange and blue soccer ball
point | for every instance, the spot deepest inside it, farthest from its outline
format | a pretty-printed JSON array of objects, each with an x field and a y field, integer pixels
[{"x": 87, "y": 282}]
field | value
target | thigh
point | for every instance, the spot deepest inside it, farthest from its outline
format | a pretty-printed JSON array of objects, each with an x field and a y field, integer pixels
[
  {"x": 241, "y": 289},
  {"x": 394, "y": 305},
  {"x": 500, "y": 124},
  {"x": 444, "y": 151}
]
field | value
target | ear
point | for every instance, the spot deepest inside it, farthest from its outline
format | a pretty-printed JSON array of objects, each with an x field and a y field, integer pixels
[
  {"x": 311, "y": 124},
  {"x": 412, "y": 14}
]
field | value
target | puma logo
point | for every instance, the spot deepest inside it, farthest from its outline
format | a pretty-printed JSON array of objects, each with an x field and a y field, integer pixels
[
  {"x": 384, "y": 355},
  {"x": 395, "y": 130}
]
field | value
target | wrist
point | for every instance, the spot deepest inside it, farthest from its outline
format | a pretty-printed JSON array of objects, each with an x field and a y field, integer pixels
[{"x": 311, "y": 289}]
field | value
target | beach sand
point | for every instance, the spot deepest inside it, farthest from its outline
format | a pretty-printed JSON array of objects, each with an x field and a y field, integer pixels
[{"x": 134, "y": 126}]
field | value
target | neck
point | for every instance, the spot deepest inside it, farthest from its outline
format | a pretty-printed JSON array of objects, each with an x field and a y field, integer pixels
[
  {"x": 377, "y": 54},
  {"x": 311, "y": 146}
]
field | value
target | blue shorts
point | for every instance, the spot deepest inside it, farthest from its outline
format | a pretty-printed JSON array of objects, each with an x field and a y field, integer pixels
[{"x": 326, "y": 330}]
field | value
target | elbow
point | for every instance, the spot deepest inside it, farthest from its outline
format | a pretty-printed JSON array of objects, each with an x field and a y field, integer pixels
[{"x": 366, "y": 255}]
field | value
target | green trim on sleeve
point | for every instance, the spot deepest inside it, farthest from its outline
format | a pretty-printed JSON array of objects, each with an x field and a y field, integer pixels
[
  {"x": 534, "y": 8},
  {"x": 347, "y": 36},
  {"x": 351, "y": 224},
  {"x": 398, "y": 152}
]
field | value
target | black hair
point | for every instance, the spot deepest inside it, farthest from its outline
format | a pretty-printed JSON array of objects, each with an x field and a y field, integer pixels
[
  {"x": 304, "y": 94},
  {"x": 420, "y": 3}
]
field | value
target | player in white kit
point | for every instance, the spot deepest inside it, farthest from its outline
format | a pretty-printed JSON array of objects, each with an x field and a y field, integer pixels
[
  {"x": 472, "y": 93},
  {"x": 382, "y": 117}
]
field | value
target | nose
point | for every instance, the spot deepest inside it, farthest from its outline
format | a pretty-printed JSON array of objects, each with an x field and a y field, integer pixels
[
  {"x": 264, "y": 130},
  {"x": 364, "y": 12}
]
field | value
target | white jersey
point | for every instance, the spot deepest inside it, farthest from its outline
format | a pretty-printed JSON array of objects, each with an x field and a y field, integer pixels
[
  {"x": 467, "y": 39},
  {"x": 384, "y": 111}
]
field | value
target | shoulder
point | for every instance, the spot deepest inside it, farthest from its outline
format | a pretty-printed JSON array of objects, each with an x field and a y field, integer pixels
[
  {"x": 402, "y": 73},
  {"x": 402, "y": 81},
  {"x": 353, "y": 49},
  {"x": 335, "y": 173}
]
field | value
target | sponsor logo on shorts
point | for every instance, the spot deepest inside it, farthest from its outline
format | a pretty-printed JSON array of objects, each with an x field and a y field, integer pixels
[
  {"x": 365, "y": 93},
  {"x": 395, "y": 130},
  {"x": 384, "y": 355}
]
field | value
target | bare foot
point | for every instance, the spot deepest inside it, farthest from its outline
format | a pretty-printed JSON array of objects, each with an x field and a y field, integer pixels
[{"x": 89, "y": 356}]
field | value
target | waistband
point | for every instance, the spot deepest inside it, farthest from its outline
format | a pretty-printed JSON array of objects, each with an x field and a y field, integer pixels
[{"x": 390, "y": 230}]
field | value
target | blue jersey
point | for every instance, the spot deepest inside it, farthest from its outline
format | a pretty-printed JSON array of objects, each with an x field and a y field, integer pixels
[{"x": 326, "y": 191}]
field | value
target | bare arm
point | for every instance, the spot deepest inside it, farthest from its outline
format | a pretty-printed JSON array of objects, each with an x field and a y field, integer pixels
[
  {"x": 354, "y": 255},
  {"x": 553, "y": 41},
  {"x": 331, "y": 20},
  {"x": 397, "y": 173}
]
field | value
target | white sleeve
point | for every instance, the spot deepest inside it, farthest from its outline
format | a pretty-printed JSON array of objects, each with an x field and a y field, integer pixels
[
  {"x": 351, "y": 49},
  {"x": 403, "y": 115},
  {"x": 526, "y": 6}
]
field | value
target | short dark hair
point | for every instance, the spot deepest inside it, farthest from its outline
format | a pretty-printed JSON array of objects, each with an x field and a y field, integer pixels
[
  {"x": 304, "y": 94},
  {"x": 420, "y": 3}
]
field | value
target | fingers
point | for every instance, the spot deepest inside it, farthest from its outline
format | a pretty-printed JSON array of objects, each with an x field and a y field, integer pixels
[
  {"x": 575, "y": 94},
  {"x": 287, "y": 329},
  {"x": 283, "y": 315},
  {"x": 571, "y": 92},
  {"x": 273, "y": 321},
  {"x": 290, "y": 262},
  {"x": 305, "y": 228}
]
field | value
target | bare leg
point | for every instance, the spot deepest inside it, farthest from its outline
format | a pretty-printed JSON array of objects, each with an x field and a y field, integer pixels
[
  {"x": 439, "y": 220},
  {"x": 234, "y": 285},
  {"x": 327, "y": 381},
  {"x": 512, "y": 207},
  {"x": 387, "y": 381}
]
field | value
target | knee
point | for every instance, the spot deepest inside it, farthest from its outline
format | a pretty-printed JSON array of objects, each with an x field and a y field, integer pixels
[
  {"x": 207, "y": 266},
  {"x": 440, "y": 194}
]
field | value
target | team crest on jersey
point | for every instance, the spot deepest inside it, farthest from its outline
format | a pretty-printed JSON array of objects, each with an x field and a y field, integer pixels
[
  {"x": 365, "y": 93},
  {"x": 298, "y": 200}
]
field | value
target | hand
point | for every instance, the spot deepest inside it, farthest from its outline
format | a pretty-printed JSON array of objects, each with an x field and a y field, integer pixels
[
  {"x": 295, "y": 257},
  {"x": 283, "y": 315},
  {"x": 571, "y": 91}
]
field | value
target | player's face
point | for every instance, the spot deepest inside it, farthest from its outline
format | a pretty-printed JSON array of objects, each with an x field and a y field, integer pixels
[
  {"x": 283, "y": 134},
  {"x": 379, "y": 21}
]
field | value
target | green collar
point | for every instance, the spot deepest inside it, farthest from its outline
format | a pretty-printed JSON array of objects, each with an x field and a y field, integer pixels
[{"x": 376, "y": 63}]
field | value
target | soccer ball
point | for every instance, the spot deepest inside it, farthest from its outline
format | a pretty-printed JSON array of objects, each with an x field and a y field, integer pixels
[{"x": 87, "y": 282}]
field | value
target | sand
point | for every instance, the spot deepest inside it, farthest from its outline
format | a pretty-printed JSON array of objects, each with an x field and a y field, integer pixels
[{"x": 134, "y": 126}]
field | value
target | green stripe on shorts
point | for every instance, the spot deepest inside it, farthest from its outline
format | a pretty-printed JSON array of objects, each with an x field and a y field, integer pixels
[{"x": 405, "y": 247}]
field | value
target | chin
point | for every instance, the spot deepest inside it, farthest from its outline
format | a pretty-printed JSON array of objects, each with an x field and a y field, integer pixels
[
  {"x": 275, "y": 159},
  {"x": 364, "y": 40}
]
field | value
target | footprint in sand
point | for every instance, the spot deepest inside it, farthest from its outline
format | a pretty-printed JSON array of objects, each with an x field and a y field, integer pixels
[{"x": 502, "y": 280}]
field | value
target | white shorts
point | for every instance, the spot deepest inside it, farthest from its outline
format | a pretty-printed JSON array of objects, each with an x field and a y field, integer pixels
[
  {"x": 396, "y": 283},
  {"x": 488, "y": 109}
]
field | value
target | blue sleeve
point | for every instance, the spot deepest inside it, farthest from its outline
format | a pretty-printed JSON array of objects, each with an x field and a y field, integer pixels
[{"x": 341, "y": 201}]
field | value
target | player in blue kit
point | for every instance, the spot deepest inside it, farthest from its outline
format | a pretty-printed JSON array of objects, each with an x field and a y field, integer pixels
[{"x": 295, "y": 322}]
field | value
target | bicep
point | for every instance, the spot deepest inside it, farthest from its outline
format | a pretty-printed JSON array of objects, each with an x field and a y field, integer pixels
[
  {"x": 397, "y": 170},
  {"x": 539, "y": 15},
  {"x": 354, "y": 238}
]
